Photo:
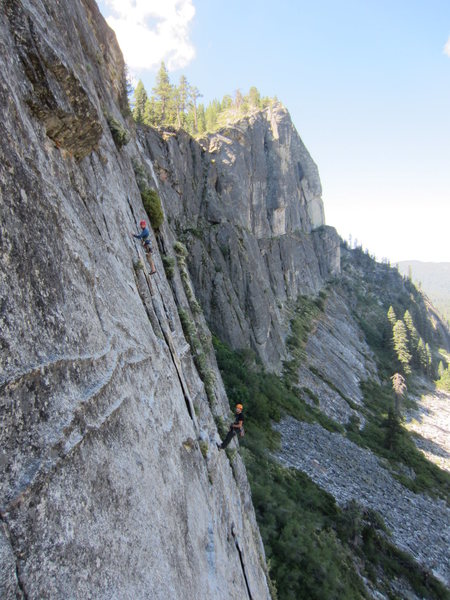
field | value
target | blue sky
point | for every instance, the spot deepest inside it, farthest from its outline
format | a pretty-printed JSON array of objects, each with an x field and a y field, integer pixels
[{"x": 367, "y": 84}]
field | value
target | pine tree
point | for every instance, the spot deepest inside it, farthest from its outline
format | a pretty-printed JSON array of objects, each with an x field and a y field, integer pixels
[
  {"x": 392, "y": 316},
  {"x": 211, "y": 113},
  {"x": 429, "y": 359},
  {"x": 201, "y": 119},
  {"x": 163, "y": 93},
  {"x": 150, "y": 117},
  {"x": 422, "y": 354},
  {"x": 195, "y": 95},
  {"x": 386, "y": 335},
  {"x": 393, "y": 430},
  {"x": 139, "y": 100},
  {"x": 227, "y": 102},
  {"x": 183, "y": 99},
  {"x": 254, "y": 98},
  {"x": 177, "y": 106},
  {"x": 238, "y": 100},
  {"x": 408, "y": 320},
  {"x": 440, "y": 369},
  {"x": 400, "y": 340},
  {"x": 399, "y": 387},
  {"x": 413, "y": 337}
]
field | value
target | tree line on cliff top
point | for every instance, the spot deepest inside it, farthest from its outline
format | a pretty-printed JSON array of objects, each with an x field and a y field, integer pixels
[{"x": 178, "y": 105}]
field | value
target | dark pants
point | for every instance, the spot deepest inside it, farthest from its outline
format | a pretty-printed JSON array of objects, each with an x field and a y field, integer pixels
[{"x": 229, "y": 437}]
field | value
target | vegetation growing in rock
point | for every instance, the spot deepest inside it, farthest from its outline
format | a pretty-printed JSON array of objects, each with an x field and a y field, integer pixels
[
  {"x": 199, "y": 352},
  {"x": 120, "y": 135},
  {"x": 178, "y": 106},
  {"x": 181, "y": 252},
  {"x": 138, "y": 265},
  {"x": 204, "y": 447},
  {"x": 169, "y": 266},
  {"x": 152, "y": 205},
  {"x": 149, "y": 196}
]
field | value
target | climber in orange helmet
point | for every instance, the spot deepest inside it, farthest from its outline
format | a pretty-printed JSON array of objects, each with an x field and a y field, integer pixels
[{"x": 235, "y": 427}]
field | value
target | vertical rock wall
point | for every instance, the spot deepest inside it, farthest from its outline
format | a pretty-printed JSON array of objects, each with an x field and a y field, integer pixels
[{"x": 106, "y": 490}]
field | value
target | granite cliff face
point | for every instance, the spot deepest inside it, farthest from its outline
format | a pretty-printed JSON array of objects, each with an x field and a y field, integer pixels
[{"x": 112, "y": 486}]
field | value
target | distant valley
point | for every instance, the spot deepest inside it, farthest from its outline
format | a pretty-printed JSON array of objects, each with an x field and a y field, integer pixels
[{"x": 434, "y": 278}]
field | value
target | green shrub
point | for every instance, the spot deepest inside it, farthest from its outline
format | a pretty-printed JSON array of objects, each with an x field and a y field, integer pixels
[
  {"x": 221, "y": 426},
  {"x": 180, "y": 249},
  {"x": 204, "y": 448},
  {"x": 195, "y": 307},
  {"x": 138, "y": 265},
  {"x": 231, "y": 453},
  {"x": 140, "y": 172},
  {"x": 312, "y": 395},
  {"x": 169, "y": 266},
  {"x": 353, "y": 424},
  {"x": 198, "y": 352},
  {"x": 120, "y": 135},
  {"x": 149, "y": 196},
  {"x": 152, "y": 205}
]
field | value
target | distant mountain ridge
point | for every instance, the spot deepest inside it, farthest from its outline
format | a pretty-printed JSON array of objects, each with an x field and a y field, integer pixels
[{"x": 434, "y": 278}]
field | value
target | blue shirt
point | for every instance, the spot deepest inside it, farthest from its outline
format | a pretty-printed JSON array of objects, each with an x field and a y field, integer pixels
[{"x": 143, "y": 235}]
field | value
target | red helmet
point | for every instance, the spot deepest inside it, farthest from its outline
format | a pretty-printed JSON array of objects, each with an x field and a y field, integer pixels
[{"x": 143, "y": 224}]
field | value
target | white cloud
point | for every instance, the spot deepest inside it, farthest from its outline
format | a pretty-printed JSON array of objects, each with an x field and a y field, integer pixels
[
  {"x": 150, "y": 31},
  {"x": 447, "y": 47}
]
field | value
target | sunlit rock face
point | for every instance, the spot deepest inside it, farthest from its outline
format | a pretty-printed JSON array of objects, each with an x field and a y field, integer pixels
[
  {"x": 112, "y": 486},
  {"x": 247, "y": 202}
]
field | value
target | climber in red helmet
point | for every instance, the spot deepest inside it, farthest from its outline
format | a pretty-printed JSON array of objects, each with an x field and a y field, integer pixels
[{"x": 144, "y": 236}]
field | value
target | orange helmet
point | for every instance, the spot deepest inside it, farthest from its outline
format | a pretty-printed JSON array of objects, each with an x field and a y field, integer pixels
[{"x": 239, "y": 406}]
